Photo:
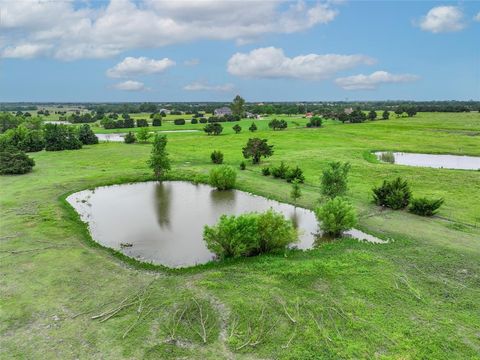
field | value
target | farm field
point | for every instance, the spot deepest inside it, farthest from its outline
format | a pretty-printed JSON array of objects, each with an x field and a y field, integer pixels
[{"x": 415, "y": 297}]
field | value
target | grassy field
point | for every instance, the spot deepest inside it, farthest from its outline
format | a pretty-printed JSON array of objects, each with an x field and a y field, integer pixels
[{"x": 416, "y": 297}]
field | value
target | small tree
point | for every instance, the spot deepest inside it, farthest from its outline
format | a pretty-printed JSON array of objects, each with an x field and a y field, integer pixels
[
  {"x": 385, "y": 115},
  {"x": 411, "y": 111},
  {"x": 157, "y": 120},
  {"x": 217, "y": 157},
  {"x": 14, "y": 161},
  {"x": 399, "y": 111},
  {"x": 253, "y": 127},
  {"x": 237, "y": 128},
  {"x": 213, "y": 129},
  {"x": 86, "y": 135},
  {"x": 295, "y": 174},
  {"x": 223, "y": 177},
  {"x": 296, "y": 192},
  {"x": 277, "y": 124},
  {"x": 143, "y": 134},
  {"x": 129, "y": 138},
  {"x": 159, "y": 161},
  {"x": 243, "y": 166},
  {"x": 336, "y": 216},
  {"x": 256, "y": 148},
  {"x": 334, "y": 180},
  {"x": 372, "y": 115}
]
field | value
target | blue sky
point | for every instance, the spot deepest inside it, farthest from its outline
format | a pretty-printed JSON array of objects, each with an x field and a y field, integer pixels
[{"x": 266, "y": 51}]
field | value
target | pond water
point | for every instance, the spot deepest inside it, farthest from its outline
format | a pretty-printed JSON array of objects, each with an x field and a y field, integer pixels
[
  {"x": 162, "y": 222},
  {"x": 436, "y": 161},
  {"x": 118, "y": 137}
]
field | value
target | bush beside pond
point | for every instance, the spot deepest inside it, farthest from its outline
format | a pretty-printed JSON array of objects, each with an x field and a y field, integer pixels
[
  {"x": 223, "y": 177},
  {"x": 249, "y": 234}
]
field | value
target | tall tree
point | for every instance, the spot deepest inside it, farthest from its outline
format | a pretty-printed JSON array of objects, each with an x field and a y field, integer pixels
[
  {"x": 159, "y": 161},
  {"x": 237, "y": 106}
]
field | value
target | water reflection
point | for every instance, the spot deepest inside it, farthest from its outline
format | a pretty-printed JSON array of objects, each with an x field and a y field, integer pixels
[{"x": 162, "y": 199}]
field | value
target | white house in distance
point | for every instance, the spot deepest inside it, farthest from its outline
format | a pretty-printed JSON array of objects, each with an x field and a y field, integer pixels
[{"x": 222, "y": 111}]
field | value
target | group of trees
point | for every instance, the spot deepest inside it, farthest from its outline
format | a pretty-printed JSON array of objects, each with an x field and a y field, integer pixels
[
  {"x": 125, "y": 123},
  {"x": 277, "y": 124},
  {"x": 283, "y": 171}
]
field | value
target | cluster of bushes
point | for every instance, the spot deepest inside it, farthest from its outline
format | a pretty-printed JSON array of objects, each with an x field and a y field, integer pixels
[
  {"x": 14, "y": 161},
  {"x": 82, "y": 118},
  {"x": 179, "y": 121},
  {"x": 249, "y": 234},
  {"x": 130, "y": 138},
  {"x": 23, "y": 139},
  {"x": 277, "y": 124},
  {"x": 315, "y": 122},
  {"x": 109, "y": 123},
  {"x": 224, "y": 118},
  {"x": 213, "y": 129},
  {"x": 283, "y": 171},
  {"x": 396, "y": 195}
]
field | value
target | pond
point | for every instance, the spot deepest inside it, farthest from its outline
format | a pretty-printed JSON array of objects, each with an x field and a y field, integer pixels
[
  {"x": 118, "y": 137},
  {"x": 162, "y": 222},
  {"x": 435, "y": 161}
]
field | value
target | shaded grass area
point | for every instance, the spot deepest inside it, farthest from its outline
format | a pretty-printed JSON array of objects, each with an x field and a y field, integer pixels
[{"x": 416, "y": 297}]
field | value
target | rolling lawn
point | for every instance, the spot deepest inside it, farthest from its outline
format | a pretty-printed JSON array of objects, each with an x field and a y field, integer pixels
[{"x": 416, "y": 297}]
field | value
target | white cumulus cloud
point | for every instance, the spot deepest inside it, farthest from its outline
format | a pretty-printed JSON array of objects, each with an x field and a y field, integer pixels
[
  {"x": 271, "y": 62},
  {"x": 443, "y": 19},
  {"x": 200, "y": 86},
  {"x": 131, "y": 66},
  {"x": 74, "y": 30},
  {"x": 372, "y": 81},
  {"x": 130, "y": 85},
  {"x": 191, "y": 62}
]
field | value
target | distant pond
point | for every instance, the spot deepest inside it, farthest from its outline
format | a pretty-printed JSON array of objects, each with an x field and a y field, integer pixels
[
  {"x": 118, "y": 137},
  {"x": 162, "y": 222},
  {"x": 435, "y": 161}
]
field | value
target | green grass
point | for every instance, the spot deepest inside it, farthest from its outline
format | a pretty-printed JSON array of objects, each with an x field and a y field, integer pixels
[{"x": 416, "y": 297}]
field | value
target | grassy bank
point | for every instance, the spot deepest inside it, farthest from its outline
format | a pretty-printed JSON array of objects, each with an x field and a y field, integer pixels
[{"x": 416, "y": 297}]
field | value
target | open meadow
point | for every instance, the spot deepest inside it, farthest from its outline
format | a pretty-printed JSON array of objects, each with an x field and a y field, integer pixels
[{"x": 415, "y": 297}]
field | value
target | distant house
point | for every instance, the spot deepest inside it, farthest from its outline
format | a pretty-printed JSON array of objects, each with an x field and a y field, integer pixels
[
  {"x": 308, "y": 115},
  {"x": 222, "y": 111},
  {"x": 250, "y": 115},
  {"x": 348, "y": 111},
  {"x": 165, "y": 111}
]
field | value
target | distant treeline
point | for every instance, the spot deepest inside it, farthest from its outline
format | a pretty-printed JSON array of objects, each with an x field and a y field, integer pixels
[{"x": 188, "y": 108}]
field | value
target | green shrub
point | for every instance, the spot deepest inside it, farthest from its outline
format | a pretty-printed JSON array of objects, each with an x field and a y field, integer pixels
[
  {"x": 232, "y": 236},
  {"x": 295, "y": 174},
  {"x": 277, "y": 124},
  {"x": 253, "y": 127},
  {"x": 179, "y": 121},
  {"x": 61, "y": 137},
  {"x": 217, "y": 157},
  {"x": 23, "y": 138},
  {"x": 315, "y": 121},
  {"x": 280, "y": 171},
  {"x": 194, "y": 121},
  {"x": 223, "y": 177},
  {"x": 425, "y": 207},
  {"x": 249, "y": 234},
  {"x": 334, "y": 180},
  {"x": 129, "y": 138},
  {"x": 336, "y": 216},
  {"x": 266, "y": 171},
  {"x": 394, "y": 194},
  {"x": 213, "y": 129},
  {"x": 157, "y": 120},
  {"x": 141, "y": 123},
  {"x": 243, "y": 165},
  {"x": 387, "y": 157},
  {"x": 275, "y": 232},
  {"x": 86, "y": 135},
  {"x": 143, "y": 134},
  {"x": 14, "y": 161},
  {"x": 237, "y": 128}
]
